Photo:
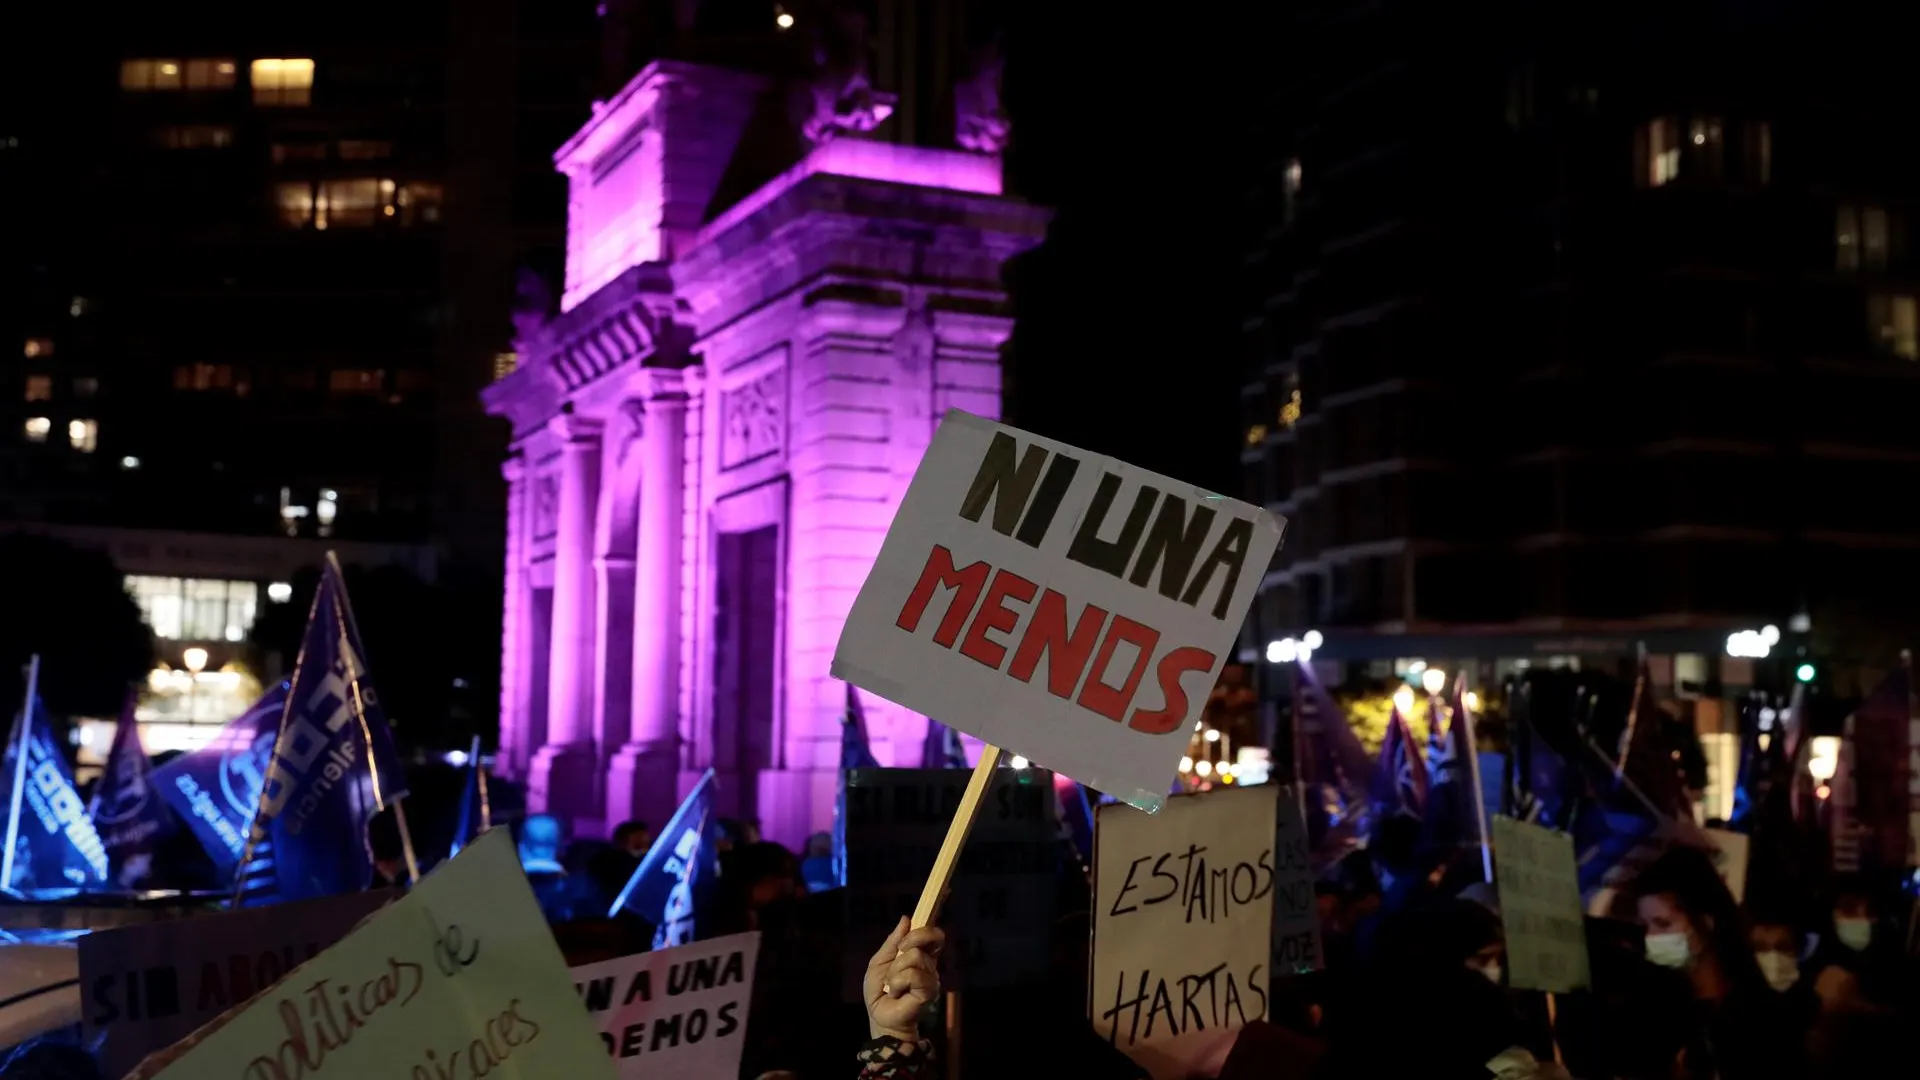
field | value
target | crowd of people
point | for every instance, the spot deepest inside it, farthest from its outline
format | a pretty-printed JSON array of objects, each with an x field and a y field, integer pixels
[{"x": 1687, "y": 984}]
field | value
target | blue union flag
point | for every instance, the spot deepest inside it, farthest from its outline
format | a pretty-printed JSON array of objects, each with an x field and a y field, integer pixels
[
  {"x": 216, "y": 789},
  {"x": 55, "y": 845},
  {"x": 333, "y": 767},
  {"x": 126, "y": 810}
]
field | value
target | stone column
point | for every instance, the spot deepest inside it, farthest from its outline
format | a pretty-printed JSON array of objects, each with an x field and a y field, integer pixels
[
  {"x": 642, "y": 777},
  {"x": 515, "y": 713},
  {"x": 560, "y": 779},
  {"x": 613, "y": 560}
]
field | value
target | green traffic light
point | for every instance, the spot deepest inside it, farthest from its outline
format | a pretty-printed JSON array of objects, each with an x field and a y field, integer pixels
[{"x": 1804, "y": 673}]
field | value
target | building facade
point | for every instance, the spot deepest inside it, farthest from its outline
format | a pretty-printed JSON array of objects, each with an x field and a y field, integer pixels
[
  {"x": 766, "y": 310},
  {"x": 1581, "y": 336}
]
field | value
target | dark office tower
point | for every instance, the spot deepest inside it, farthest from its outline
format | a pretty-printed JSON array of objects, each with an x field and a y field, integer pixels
[{"x": 1577, "y": 329}]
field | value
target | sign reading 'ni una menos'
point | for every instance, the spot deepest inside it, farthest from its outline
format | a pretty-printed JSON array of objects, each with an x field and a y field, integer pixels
[{"x": 1063, "y": 606}]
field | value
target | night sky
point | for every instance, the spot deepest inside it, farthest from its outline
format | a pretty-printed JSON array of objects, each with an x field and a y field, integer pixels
[{"x": 1133, "y": 124}]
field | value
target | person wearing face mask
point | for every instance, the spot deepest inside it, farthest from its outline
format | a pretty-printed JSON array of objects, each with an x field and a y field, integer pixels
[
  {"x": 1742, "y": 1028},
  {"x": 1863, "y": 985}
]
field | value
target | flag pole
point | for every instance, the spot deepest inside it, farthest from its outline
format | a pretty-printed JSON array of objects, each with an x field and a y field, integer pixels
[
  {"x": 1913, "y": 916},
  {"x": 1633, "y": 713},
  {"x": 1473, "y": 767},
  {"x": 351, "y": 625},
  {"x": 480, "y": 782},
  {"x": 22, "y": 731}
]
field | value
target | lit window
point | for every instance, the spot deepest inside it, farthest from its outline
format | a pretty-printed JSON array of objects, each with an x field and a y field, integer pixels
[
  {"x": 504, "y": 364},
  {"x": 1290, "y": 190},
  {"x": 294, "y": 202},
  {"x": 80, "y": 306},
  {"x": 38, "y": 346},
  {"x": 210, "y": 74},
  {"x": 285, "y": 152},
  {"x": 280, "y": 592},
  {"x": 37, "y": 428},
  {"x": 1663, "y": 151},
  {"x": 193, "y": 609},
  {"x": 194, "y": 137},
  {"x": 85, "y": 386},
  {"x": 1894, "y": 322},
  {"x": 39, "y": 388},
  {"x": 84, "y": 435},
  {"x": 418, "y": 202},
  {"x": 1255, "y": 434},
  {"x": 364, "y": 150},
  {"x": 143, "y": 75},
  {"x": 356, "y": 381},
  {"x": 1290, "y": 411},
  {"x": 282, "y": 82},
  {"x": 351, "y": 203},
  {"x": 203, "y": 377},
  {"x": 129, "y": 463},
  {"x": 1862, "y": 237}
]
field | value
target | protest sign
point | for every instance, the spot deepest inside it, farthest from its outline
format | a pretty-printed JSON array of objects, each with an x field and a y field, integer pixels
[
  {"x": 999, "y": 912},
  {"x": 1057, "y": 604},
  {"x": 149, "y": 986},
  {"x": 675, "y": 1012},
  {"x": 1729, "y": 854},
  {"x": 1296, "y": 910},
  {"x": 459, "y": 978},
  {"x": 1182, "y": 922},
  {"x": 1540, "y": 904}
]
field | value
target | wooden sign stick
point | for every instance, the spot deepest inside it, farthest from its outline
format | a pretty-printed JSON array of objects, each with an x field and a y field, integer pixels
[{"x": 941, "y": 876}]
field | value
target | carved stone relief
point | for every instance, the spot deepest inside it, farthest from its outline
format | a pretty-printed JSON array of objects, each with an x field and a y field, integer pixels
[
  {"x": 753, "y": 419},
  {"x": 980, "y": 123},
  {"x": 546, "y": 505}
]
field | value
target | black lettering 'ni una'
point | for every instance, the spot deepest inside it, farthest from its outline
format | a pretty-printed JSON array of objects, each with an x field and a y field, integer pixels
[
  {"x": 1111, "y": 556},
  {"x": 1007, "y": 478},
  {"x": 1173, "y": 544}
]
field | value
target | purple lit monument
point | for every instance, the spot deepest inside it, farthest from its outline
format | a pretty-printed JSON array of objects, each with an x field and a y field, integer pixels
[{"x": 710, "y": 438}]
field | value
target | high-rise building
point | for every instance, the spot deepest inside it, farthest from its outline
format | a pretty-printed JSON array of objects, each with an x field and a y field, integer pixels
[
  {"x": 1570, "y": 336},
  {"x": 261, "y": 260}
]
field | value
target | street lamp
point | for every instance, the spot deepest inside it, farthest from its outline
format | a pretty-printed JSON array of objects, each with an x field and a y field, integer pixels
[
  {"x": 1403, "y": 700},
  {"x": 196, "y": 660},
  {"x": 1434, "y": 679}
]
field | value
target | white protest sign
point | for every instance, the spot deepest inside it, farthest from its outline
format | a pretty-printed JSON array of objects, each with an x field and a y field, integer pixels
[
  {"x": 999, "y": 914},
  {"x": 152, "y": 984},
  {"x": 675, "y": 1012},
  {"x": 458, "y": 979},
  {"x": 1182, "y": 923},
  {"x": 1296, "y": 908},
  {"x": 1060, "y": 605},
  {"x": 1540, "y": 905},
  {"x": 1730, "y": 858}
]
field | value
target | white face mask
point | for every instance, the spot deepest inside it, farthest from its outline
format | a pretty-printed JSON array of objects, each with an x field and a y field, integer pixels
[
  {"x": 1494, "y": 973},
  {"x": 1855, "y": 934},
  {"x": 1669, "y": 950},
  {"x": 1782, "y": 970}
]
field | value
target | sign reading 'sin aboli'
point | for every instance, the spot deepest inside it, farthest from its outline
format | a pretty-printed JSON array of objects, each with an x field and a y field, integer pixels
[{"x": 1066, "y": 607}]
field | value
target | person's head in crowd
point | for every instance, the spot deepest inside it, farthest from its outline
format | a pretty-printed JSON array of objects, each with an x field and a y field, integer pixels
[
  {"x": 1776, "y": 947},
  {"x": 589, "y": 941},
  {"x": 1692, "y": 923},
  {"x": 754, "y": 877},
  {"x": 633, "y": 837},
  {"x": 750, "y": 830},
  {"x": 1854, "y": 913},
  {"x": 540, "y": 840},
  {"x": 820, "y": 846}
]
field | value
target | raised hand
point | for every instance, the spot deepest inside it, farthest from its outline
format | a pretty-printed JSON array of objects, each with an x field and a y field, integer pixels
[{"x": 901, "y": 979}]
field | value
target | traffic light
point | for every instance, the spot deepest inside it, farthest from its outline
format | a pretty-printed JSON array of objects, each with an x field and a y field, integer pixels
[{"x": 1804, "y": 673}]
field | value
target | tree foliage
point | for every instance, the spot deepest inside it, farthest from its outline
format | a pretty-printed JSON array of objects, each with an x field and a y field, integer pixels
[{"x": 69, "y": 605}]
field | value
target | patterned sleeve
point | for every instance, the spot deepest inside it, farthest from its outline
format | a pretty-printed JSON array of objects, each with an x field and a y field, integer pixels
[{"x": 888, "y": 1058}]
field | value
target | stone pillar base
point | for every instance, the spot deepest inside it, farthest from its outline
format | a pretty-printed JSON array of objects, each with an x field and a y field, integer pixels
[
  {"x": 560, "y": 782},
  {"x": 796, "y": 803},
  {"x": 643, "y": 784}
]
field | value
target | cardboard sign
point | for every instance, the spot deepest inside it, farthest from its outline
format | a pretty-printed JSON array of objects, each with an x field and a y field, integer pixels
[
  {"x": 460, "y": 978},
  {"x": 1296, "y": 910},
  {"x": 151, "y": 985},
  {"x": 1540, "y": 904},
  {"x": 1730, "y": 858},
  {"x": 1182, "y": 922},
  {"x": 999, "y": 912},
  {"x": 675, "y": 1012},
  {"x": 1060, "y": 605}
]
